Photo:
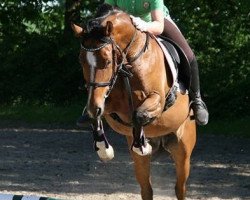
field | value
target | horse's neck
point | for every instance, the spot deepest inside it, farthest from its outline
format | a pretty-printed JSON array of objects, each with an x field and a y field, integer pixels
[
  {"x": 137, "y": 45},
  {"x": 149, "y": 75},
  {"x": 119, "y": 98}
]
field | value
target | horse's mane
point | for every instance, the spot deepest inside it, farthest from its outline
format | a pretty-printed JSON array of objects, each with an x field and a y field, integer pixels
[{"x": 104, "y": 10}]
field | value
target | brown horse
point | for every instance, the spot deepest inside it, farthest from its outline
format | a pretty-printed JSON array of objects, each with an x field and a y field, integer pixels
[{"x": 113, "y": 51}]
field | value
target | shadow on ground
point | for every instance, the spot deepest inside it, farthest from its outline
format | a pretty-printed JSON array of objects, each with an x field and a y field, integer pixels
[{"x": 63, "y": 161}]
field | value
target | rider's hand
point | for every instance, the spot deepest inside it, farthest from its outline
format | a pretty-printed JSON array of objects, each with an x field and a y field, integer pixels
[{"x": 139, "y": 23}]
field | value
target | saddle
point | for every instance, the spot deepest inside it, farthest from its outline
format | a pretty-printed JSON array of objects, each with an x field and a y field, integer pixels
[{"x": 179, "y": 66}]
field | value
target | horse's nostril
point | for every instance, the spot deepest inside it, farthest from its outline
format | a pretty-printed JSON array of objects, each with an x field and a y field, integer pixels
[{"x": 98, "y": 112}]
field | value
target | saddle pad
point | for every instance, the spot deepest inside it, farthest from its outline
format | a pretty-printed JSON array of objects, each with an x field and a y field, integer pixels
[
  {"x": 179, "y": 85},
  {"x": 169, "y": 59}
]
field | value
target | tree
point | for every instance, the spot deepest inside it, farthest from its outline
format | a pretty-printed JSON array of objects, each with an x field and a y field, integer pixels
[
  {"x": 39, "y": 54},
  {"x": 72, "y": 14}
]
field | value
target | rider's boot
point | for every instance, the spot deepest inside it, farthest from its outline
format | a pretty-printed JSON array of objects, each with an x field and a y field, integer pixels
[{"x": 199, "y": 107}]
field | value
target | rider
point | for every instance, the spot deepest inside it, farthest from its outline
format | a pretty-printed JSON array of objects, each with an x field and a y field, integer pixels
[{"x": 153, "y": 16}]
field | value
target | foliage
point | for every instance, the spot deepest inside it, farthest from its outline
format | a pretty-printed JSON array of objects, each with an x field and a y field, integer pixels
[
  {"x": 37, "y": 64},
  {"x": 39, "y": 54},
  {"x": 219, "y": 34}
]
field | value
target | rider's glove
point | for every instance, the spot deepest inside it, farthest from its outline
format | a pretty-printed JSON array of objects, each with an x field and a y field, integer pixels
[{"x": 139, "y": 23}]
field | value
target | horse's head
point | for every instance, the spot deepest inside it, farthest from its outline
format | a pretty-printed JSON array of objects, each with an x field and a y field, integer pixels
[{"x": 103, "y": 44}]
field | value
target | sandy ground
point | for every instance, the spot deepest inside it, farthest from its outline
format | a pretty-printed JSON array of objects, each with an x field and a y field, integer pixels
[{"x": 61, "y": 163}]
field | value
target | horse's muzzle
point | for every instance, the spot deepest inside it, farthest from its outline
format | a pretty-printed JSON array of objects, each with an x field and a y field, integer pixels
[{"x": 95, "y": 111}]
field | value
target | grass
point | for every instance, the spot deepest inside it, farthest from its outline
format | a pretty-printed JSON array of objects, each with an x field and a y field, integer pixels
[
  {"x": 41, "y": 114},
  {"x": 67, "y": 115},
  {"x": 227, "y": 126}
]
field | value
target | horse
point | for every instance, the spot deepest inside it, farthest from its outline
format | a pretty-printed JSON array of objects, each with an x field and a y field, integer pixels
[{"x": 128, "y": 80}]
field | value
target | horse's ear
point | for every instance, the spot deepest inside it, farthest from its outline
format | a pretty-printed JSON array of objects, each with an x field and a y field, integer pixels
[
  {"x": 79, "y": 31},
  {"x": 109, "y": 28}
]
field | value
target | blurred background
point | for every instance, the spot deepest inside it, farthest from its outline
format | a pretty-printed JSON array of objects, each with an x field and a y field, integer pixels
[{"x": 41, "y": 79}]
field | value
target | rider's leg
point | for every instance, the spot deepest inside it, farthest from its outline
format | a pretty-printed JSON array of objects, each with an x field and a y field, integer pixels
[{"x": 199, "y": 107}]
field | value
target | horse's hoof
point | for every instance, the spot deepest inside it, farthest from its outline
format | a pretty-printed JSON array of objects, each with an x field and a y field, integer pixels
[
  {"x": 105, "y": 154},
  {"x": 143, "y": 151}
]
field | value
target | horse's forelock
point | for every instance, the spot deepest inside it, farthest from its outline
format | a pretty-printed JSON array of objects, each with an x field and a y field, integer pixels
[{"x": 103, "y": 12}]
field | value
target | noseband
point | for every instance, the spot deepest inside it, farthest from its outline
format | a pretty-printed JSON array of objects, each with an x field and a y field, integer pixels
[{"x": 121, "y": 67}]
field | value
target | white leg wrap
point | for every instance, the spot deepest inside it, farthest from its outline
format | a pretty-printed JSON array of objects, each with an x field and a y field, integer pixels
[
  {"x": 105, "y": 154},
  {"x": 143, "y": 151}
]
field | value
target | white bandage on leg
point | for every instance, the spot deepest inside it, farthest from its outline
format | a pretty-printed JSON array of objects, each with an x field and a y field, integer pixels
[
  {"x": 144, "y": 150},
  {"x": 105, "y": 154}
]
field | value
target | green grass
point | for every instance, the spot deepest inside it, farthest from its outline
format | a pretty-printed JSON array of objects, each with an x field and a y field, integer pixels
[
  {"x": 41, "y": 114},
  {"x": 234, "y": 126},
  {"x": 67, "y": 115}
]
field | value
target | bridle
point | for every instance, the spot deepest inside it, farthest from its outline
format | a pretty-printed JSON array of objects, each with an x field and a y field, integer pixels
[{"x": 121, "y": 67}]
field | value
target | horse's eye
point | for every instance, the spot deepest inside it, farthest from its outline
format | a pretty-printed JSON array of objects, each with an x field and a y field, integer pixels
[{"x": 108, "y": 62}]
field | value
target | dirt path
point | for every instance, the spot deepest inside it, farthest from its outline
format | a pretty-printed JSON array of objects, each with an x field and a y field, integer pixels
[{"x": 61, "y": 163}]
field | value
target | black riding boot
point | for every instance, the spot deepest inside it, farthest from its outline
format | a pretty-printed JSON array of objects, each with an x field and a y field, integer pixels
[{"x": 199, "y": 107}]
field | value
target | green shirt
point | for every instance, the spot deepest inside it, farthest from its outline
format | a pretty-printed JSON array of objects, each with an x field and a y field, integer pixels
[{"x": 140, "y": 8}]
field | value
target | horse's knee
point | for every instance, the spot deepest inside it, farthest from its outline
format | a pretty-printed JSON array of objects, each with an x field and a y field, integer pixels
[
  {"x": 148, "y": 110},
  {"x": 141, "y": 118}
]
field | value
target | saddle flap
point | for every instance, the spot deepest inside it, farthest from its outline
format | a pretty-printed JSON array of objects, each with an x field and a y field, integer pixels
[
  {"x": 172, "y": 51},
  {"x": 169, "y": 60},
  {"x": 179, "y": 64}
]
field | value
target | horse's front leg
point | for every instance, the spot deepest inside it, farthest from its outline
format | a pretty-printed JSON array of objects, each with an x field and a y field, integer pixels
[
  {"x": 150, "y": 108},
  {"x": 142, "y": 172}
]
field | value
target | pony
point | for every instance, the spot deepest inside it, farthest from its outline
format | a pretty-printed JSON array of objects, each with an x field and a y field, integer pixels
[{"x": 128, "y": 80}]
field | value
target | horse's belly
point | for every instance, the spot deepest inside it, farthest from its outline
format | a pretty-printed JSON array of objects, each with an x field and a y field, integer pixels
[
  {"x": 152, "y": 130},
  {"x": 168, "y": 122}
]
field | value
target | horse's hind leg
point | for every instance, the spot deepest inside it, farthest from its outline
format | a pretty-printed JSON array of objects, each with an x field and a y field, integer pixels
[
  {"x": 181, "y": 151},
  {"x": 142, "y": 172}
]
